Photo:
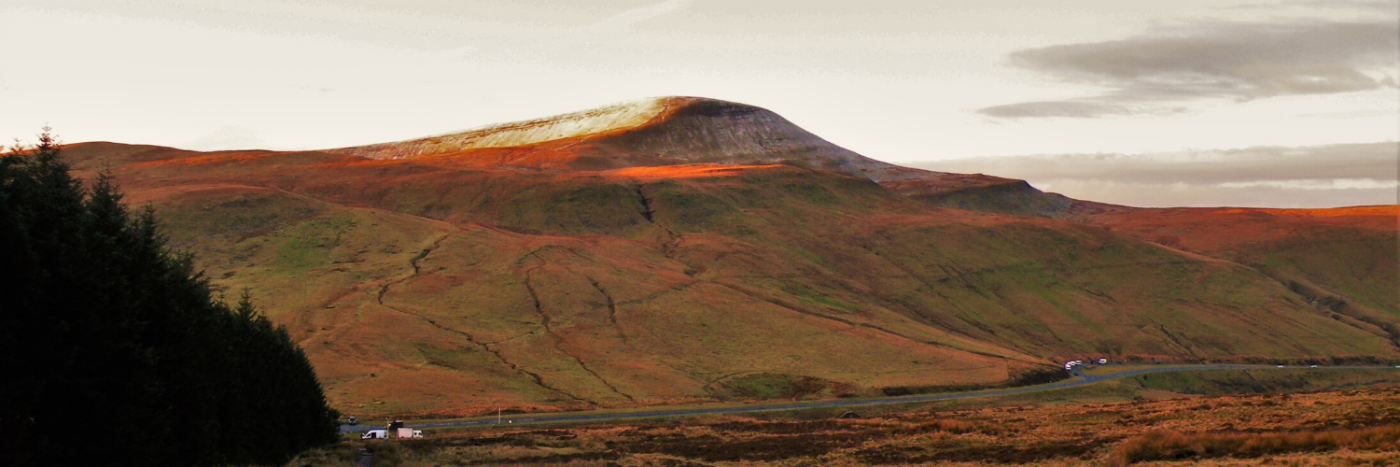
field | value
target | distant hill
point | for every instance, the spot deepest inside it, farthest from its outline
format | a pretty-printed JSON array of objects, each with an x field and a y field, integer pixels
[
  {"x": 684, "y": 249},
  {"x": 1341, "y": 260}
]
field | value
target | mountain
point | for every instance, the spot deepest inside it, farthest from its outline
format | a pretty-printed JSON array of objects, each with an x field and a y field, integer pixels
[
  {"x": 682, "y": 249},
  {"x": 692, "y": 130}
]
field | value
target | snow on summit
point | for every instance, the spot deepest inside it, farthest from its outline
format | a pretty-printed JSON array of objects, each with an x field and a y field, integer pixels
[{"x": 619, "y": 116}]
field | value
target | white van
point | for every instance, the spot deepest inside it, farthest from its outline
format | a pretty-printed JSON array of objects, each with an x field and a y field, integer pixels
[{"x": 375, "y": 434}]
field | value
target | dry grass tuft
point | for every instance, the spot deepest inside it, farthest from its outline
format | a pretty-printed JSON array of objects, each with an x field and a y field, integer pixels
[{"x": 1175, "y": 445}]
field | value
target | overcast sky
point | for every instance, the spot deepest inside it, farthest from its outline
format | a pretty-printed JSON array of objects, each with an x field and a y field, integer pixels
[{"x": 980, "y": 85}]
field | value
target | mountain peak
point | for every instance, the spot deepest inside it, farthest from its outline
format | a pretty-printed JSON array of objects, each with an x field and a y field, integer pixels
[
  {"x": 664, "y": 131},
  {"x": 656, "y": 130}
]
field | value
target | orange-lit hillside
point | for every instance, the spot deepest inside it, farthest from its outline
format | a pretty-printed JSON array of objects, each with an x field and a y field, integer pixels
[
  {"x": 1219, "y": 230},
  {"x": 712, "y": 247},
  {"x": 1344, "y": 260},
  {"x": 687, "y": 171}
]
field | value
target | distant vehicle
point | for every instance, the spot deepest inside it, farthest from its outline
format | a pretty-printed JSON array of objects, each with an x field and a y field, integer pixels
[
  {"x": 352, "y": 421},
  {"x": 1314, "y": 366},
  {"x": 408, "y": 433},
  {"x": 375, "y": 434},
  {"x": 1103, "y": 361},
  {"x": 1280, "y": 366}
]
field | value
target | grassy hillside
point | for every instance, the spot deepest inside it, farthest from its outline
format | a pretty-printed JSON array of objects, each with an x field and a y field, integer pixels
[
  {"x": 1343, "y": 261},
  {"x": 421, "y": 287}
]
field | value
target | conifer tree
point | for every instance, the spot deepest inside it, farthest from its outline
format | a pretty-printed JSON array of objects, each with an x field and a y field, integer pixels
[{"x": 114, "y": 350}]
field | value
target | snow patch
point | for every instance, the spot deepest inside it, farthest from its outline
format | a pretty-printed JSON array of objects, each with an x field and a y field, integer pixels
[
  {"x": 610, "y": 118},
  {"x": 600, "y": 120}
]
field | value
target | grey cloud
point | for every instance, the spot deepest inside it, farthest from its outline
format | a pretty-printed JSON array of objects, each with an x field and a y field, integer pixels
[
  {"x": 1216, "y": 60},
  {"x": 1316, "y": 176},
  {"x": 1369, "y": 6},
  {"x": 1073, "y": 109}
]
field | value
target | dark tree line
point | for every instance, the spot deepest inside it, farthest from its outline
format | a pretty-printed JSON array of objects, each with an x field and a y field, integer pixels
[{"x": 113, "y": 351}]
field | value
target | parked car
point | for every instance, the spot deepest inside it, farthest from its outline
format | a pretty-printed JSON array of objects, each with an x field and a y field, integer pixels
[{"x": 352, "y": 421}]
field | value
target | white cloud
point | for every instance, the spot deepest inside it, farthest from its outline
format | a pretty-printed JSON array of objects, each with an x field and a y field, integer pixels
[
  {"x": 892, "y": 79},
  {"x": 1317, "y": 184},
  {"x": 1316, "y": 176},
  {"x": 227, "y": 137},
  {"x": 638, "y": 15}
]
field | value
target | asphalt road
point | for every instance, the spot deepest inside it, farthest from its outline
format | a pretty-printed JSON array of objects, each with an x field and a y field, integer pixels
[{"x": 1080, "y": 380}]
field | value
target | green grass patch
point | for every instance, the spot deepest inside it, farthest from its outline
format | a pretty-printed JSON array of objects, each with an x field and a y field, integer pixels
[{"x": 1223, "y": 382}]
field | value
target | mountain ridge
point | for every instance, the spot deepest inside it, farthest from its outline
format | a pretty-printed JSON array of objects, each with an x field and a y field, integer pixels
[{"x": 464, "y": 279}]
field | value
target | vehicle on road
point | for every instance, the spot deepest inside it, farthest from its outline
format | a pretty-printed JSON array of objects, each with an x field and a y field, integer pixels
[
  {"x": 1314, "y": 366},
  {"x": 1280, "y": 366},
  {"x": 375, "y": 434},
  {"x": 352, "y": 421}
]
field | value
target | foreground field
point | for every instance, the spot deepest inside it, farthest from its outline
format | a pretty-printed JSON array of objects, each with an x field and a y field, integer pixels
[{"x": 1071, "y": 427}]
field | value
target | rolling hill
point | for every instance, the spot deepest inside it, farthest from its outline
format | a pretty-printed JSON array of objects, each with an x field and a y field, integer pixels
[{"x": 682, "y": 249}]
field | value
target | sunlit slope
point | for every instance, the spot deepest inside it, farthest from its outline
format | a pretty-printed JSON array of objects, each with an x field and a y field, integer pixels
[
  {"x": 429, "y": 287},
  {"x": 572, "y": 127}
]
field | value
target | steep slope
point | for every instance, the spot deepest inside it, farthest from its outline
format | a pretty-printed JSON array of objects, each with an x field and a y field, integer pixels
[{"x": 421, "y": 284}]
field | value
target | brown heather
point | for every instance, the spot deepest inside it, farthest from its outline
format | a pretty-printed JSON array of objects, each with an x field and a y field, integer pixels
[
  {"x": 1174, "y": 445},
  {"x": 1355, "y": 427}
]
